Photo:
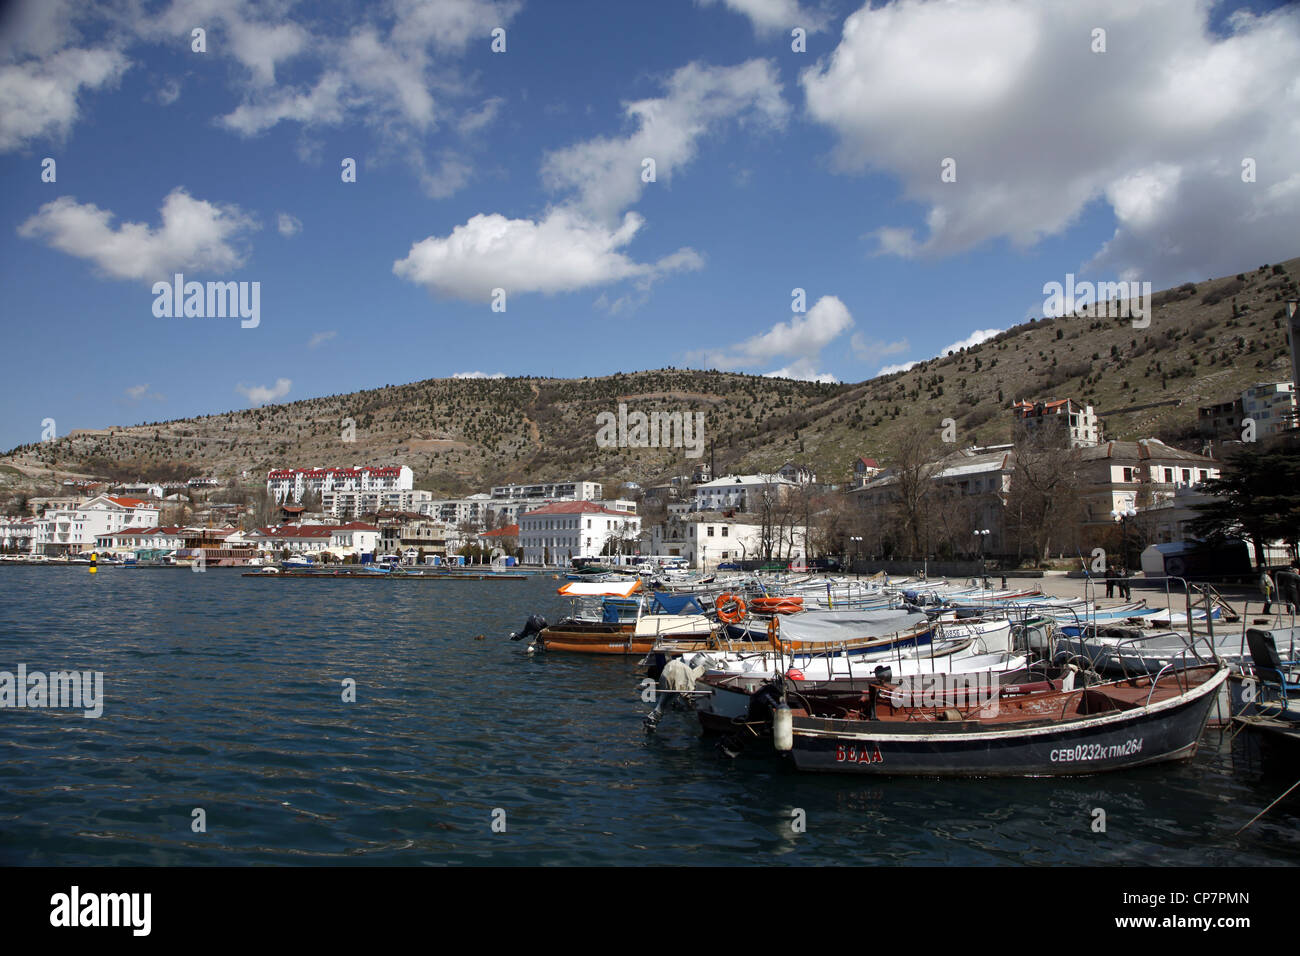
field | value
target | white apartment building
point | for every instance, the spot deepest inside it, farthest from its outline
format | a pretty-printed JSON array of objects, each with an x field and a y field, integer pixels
[
  {"x": 73, "y": 530},
  {"x": 741, "y": 492},
  {"x": 352, "y": 504},
  {"x": 1117, "y": 476},
  {"x": 1080, "y": 421},
  {"x": 291, "y": 483},
  {"x": 1272, "y": 406},
  {"x": 707, "y": 540},
  {"x": 551, "y": 490},
  {"x": 17, "y": 534},
  {"x": 559, "y": 532}
]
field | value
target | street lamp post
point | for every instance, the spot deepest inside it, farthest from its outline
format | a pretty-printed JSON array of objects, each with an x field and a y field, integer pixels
[
  {"x": 857, "y": 546},
  {"x": 982, "y": 535},
  {"x": 1121, "y": 515}
]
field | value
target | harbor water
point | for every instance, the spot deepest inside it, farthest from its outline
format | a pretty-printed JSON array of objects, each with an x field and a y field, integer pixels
[{"x": 226, "y": 695}]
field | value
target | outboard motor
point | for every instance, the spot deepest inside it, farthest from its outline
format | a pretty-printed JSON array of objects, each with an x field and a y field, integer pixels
[
  {"x": 885, "y": 674},
  {"x": 532, "y": 627}
]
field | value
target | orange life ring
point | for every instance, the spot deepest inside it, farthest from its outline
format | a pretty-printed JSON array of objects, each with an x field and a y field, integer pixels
[
  {"x": 731, "y": 608},
  {"x": 778, "y": 605}
]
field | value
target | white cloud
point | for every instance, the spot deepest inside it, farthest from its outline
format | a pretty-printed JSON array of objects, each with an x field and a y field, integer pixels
[
  {"x": 975, "y": 338},
  {"x": 770, "y": 16},
  {"x": 479, "y": 375},
  {"x": 169, "y": 92},
  {"x": 562, "y": 252},
  {"x": 394, "y": 76},
  {"x": 39, "y": 98},
  {"x": 803, "y": 370},
  {"x": 195, "y": 234},
  {"x": 481, "y": 118},
  {"x": 261, "y": 394},
  {"x": 605, "y": 173},
  {"x": 802, "y": 339},
  {"x": 875, "y": 348},
  {"x": 320, "y": 338},
  {"x": 137, "y": 392},
  {"x": 1040, "y": 126},
  {"x": 287, "y": 224},
  {"x": 452, "y": 174}
]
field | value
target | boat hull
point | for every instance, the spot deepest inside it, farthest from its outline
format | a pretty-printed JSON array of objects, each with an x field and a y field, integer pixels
[{"x": 1167, "y": 730}]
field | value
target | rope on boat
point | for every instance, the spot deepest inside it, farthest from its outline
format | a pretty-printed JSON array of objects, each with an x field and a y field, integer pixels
[{"x": 1269, "y": 807}]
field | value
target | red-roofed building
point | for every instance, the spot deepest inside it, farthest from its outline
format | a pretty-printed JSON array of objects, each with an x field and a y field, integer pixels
[
  {"x": 291, "y": 483},
  {"x": 864, "y": 469},
  {"x": 557, "y": 533},
  {"x": 1080, "y": 421}
]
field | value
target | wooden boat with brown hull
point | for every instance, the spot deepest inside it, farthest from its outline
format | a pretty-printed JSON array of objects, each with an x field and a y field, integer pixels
[{"x": 1110, "y": 726}]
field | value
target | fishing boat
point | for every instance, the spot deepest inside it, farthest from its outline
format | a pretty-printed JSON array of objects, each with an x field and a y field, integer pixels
[
  {"x": 1117, "y": 649},
  {"x": 733, "y": 685},
  {"x": 616, "y": 617},
  {"x": 1111, "y": 726}
]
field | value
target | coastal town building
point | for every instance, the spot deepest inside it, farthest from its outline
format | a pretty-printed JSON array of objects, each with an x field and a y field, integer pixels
[
  {"x": 1272, "y": 407},
  {"x": 69, "y": 531},
  {"x": 864, "y": 469},
  {"x": 354, "y": 504},
  {"x": 1121, "y": 476},
  {"x": 798, "y": 473},
  {"x": 1221, "y": 422},
  {"x": 741, "y": 492},
  {"x": 1080, "y": 422},
  {"x": 976, "y": 482},
  {"x": 559, "y": 532},
  {"x": 292, "y": 483},
  {"x": 707, "y": 539},
  {"x": 550, "y": 491}
]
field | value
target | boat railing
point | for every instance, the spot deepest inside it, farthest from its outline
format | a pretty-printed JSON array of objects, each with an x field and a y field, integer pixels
[{"x": 1183, "y": 685}]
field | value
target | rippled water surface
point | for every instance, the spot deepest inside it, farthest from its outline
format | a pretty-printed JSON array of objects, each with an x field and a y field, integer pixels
[{"x": 225, "y": 693}]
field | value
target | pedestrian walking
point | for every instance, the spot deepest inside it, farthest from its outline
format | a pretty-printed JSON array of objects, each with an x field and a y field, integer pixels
[{"x": 1266, "y": 587}]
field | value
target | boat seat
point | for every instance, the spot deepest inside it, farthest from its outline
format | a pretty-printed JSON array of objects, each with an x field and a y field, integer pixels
[{"x": 1271, "y": 670}]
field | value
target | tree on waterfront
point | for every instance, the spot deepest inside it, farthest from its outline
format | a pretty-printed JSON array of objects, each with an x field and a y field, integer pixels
[
  {"x": 1257, "y": 497},
  {"x": 1043, "y": 504}
]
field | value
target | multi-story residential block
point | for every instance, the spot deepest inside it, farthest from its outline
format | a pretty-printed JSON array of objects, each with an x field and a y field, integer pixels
[
  {"x": 64, "y": 531},
  {"x": 741, "y": 492},
  {"x": 559, "y": 532},
  {"x": 707, "y": 539},
  {"x": 1119, "y": 476},
  {"x": 291, "y": 483},
  {"x": 1271, "y": 406},
  {"x": 1221, "y": 421},
  {"x": 1079, "y": 421},
  {"x": 977, "y": 478},
  {"x": 550, "y": 491}
]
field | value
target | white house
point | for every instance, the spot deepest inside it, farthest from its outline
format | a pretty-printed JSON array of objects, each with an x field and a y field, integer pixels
[
  {"x": 706, "y": 540},
  {"x": 559, "y": 532},
  {"x": 741, "y": 492}
]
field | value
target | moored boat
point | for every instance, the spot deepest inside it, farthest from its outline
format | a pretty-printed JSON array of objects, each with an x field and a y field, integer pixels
[{"x": 1111, "y": 726}]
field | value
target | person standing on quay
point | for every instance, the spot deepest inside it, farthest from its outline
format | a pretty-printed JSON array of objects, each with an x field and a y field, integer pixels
[{"x": 1266, "y": 586}]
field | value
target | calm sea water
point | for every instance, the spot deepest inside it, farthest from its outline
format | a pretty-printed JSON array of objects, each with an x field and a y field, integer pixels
[{"x": 224, "y": 693}]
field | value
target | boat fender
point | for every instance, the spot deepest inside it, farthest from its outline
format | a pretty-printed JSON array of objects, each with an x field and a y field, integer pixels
[
  {"x": 794, "y": 674},
  {"x": 782, "y": 728}
]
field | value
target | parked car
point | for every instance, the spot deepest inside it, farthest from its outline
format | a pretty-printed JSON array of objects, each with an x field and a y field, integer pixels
[
  {"x": 729, "y": 566},
  {"x": 825, "y": 564}
]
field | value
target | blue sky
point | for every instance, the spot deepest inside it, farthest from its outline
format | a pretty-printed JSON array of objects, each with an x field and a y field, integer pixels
[{"x": 522, "y": 170}]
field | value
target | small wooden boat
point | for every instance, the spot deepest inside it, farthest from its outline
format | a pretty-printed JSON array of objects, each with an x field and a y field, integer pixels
[{"x": 1110, "y": 726}]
